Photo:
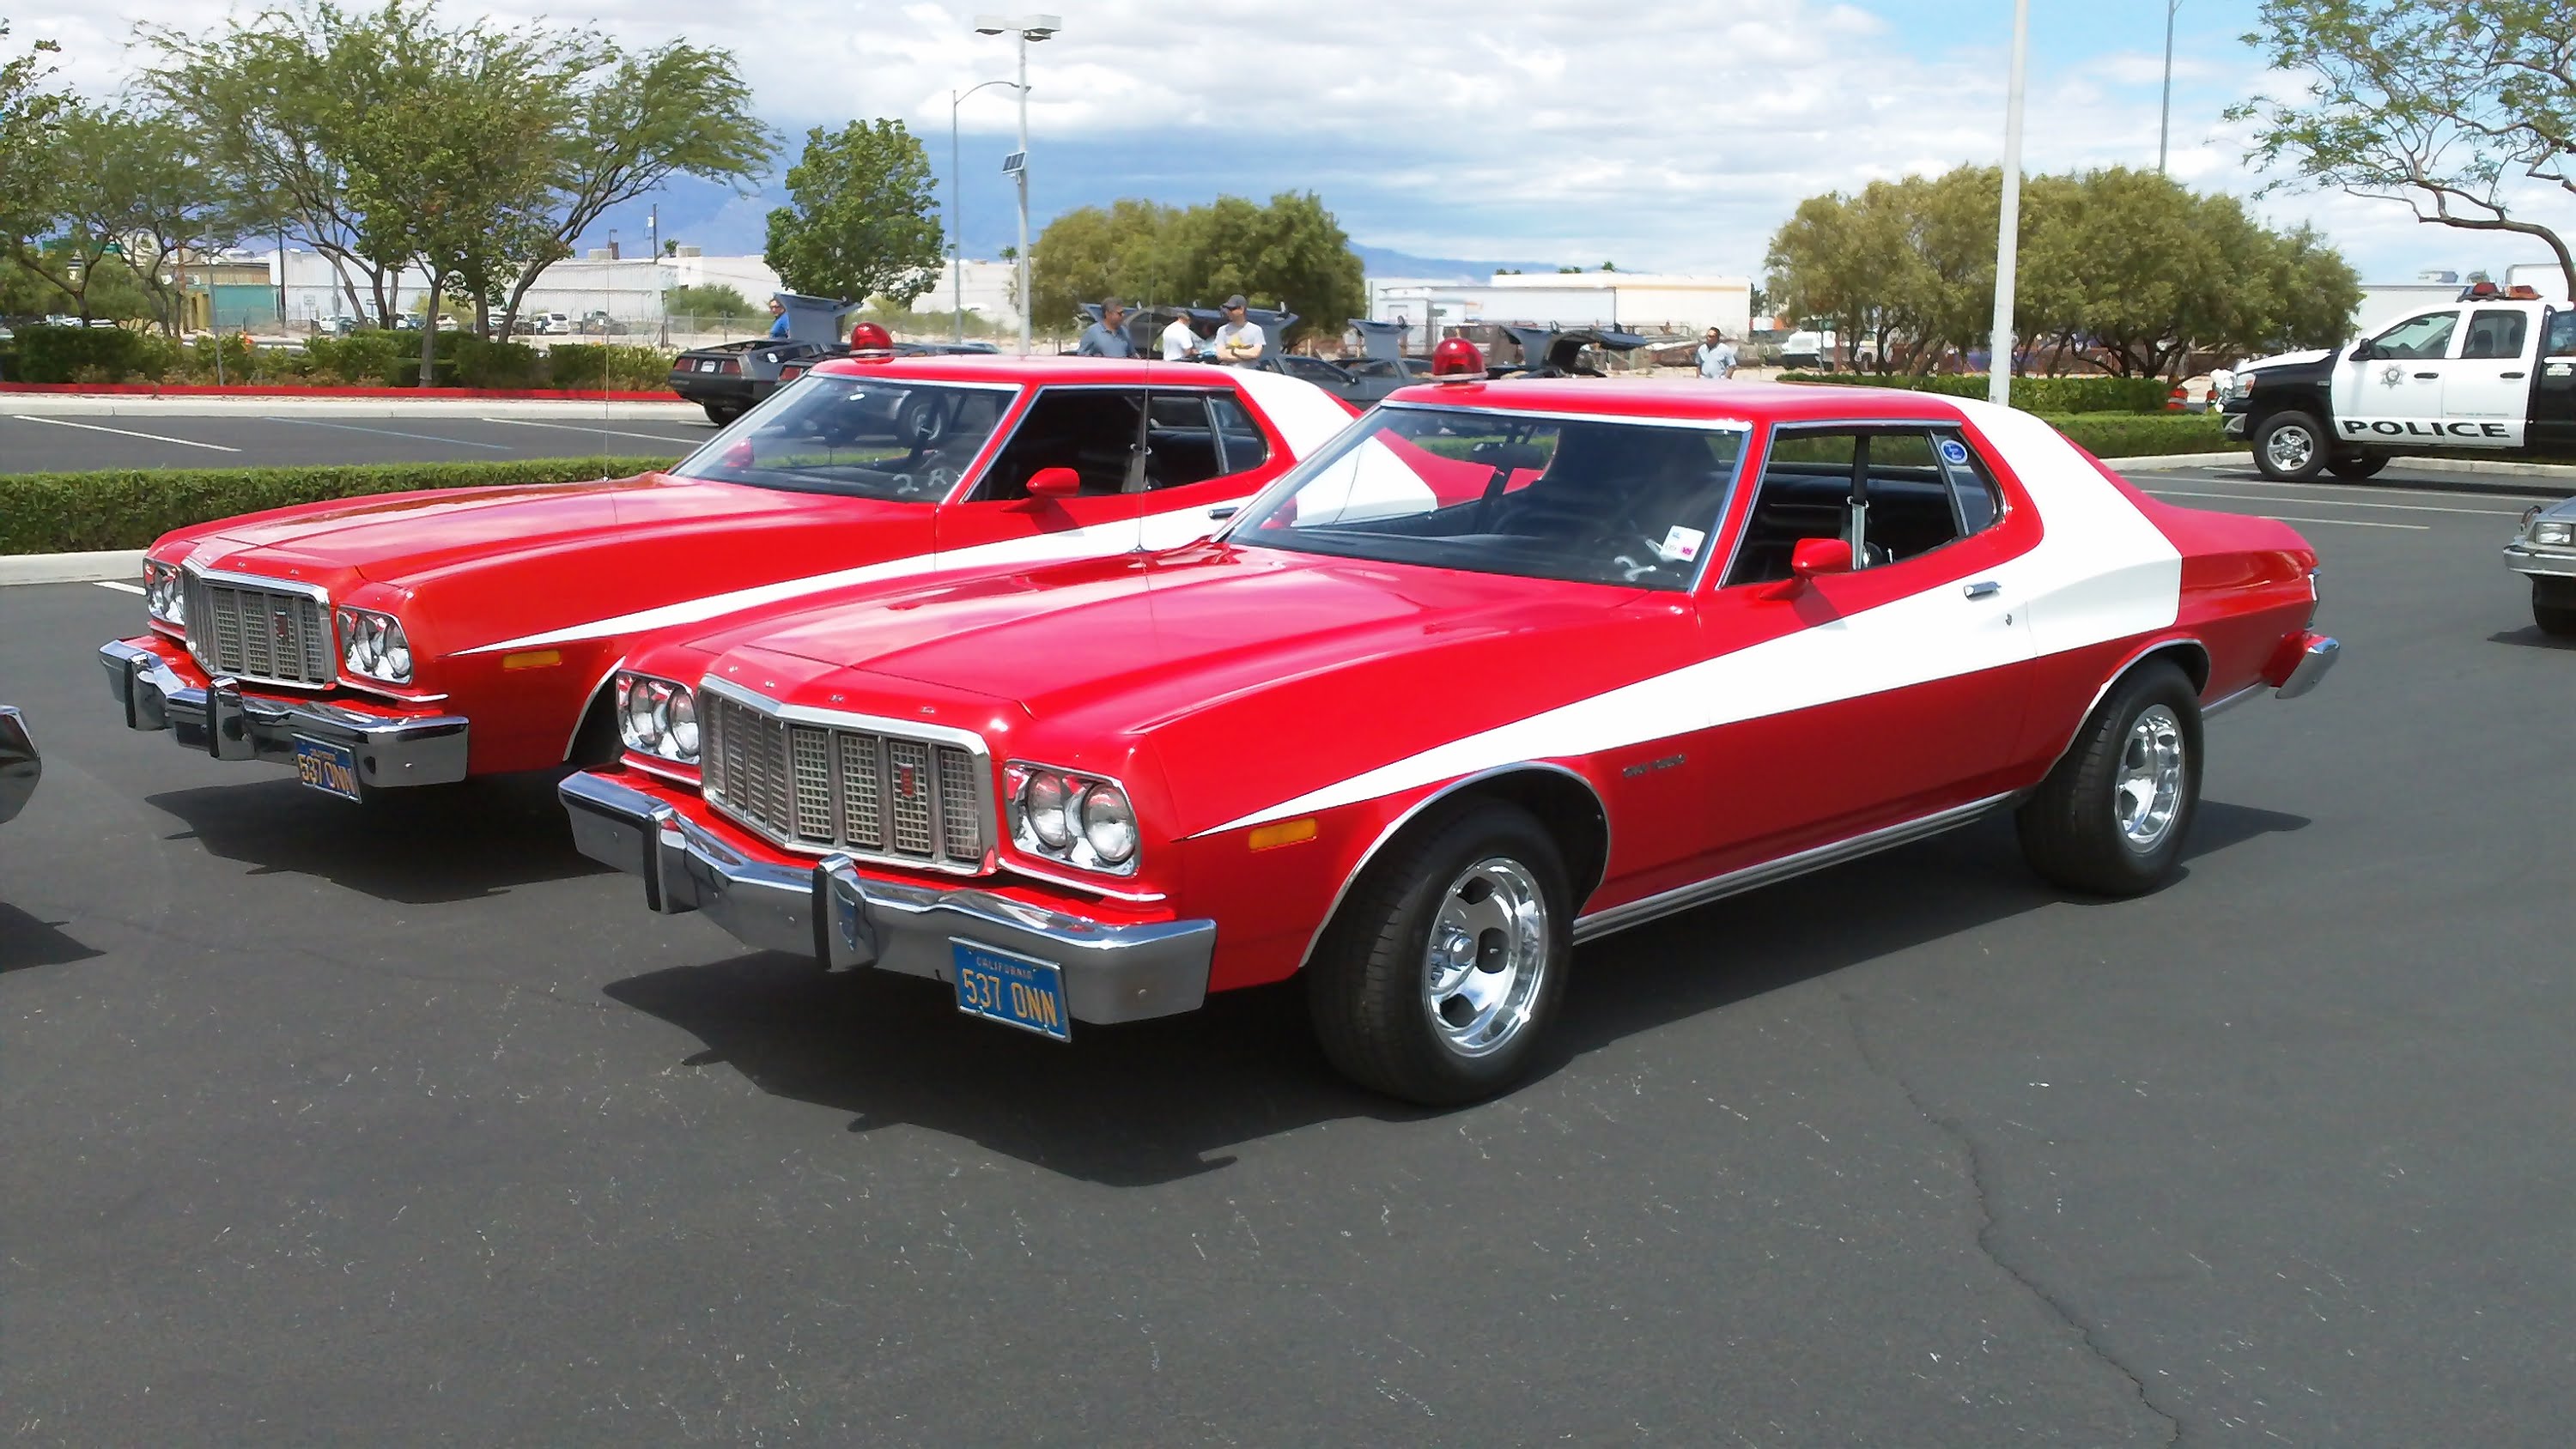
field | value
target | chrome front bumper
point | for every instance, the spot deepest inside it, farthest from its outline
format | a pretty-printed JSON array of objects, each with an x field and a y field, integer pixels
[
  {"x": 392, "y": 750},
  {"x": 2553, "y": 563},
  {"x": 844, "y": 920},
  {"x": 20, "y": 765}
]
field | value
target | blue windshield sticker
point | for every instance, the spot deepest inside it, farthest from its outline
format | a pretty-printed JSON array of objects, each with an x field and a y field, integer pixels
[{"x": 1954, "y": 452}]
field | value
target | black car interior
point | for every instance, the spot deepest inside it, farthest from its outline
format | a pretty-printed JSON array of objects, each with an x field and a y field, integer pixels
[
  {"x": 1894, "y": 494},
  {"x": 1189, "y": 437}
]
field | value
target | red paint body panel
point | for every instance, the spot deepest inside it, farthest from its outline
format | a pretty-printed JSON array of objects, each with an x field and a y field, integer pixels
[{"x": 1229, "y": 685}]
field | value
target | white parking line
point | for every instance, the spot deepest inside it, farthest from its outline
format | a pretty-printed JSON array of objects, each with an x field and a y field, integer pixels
[
  {"x": 391, "y": 433},
  {"x": 2430, "y": 490},
  {"x": 2348, "y": 522},
  {"x": 2336, "y": 502},
  {"x": 120, "y": 588},
  {"x": 127, "y": 433},
  {"x": 600, "y": 432}
]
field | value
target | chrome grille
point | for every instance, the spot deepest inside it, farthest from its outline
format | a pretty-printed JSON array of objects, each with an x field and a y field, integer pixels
[
  {"x": 818, "y": 787},
  {"x": 274, "y": 636}
]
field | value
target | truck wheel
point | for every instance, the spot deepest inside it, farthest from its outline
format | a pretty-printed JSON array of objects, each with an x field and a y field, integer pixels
[
  {"x": 720, "y": 413},
  {"x": 2553, "y": 609},
  {"x": 2111, "y": 817},
  {"x": 2289, "y": 447},
  {"x": 2360, "y": 465},
  {"x": 1444, "y": 966}
]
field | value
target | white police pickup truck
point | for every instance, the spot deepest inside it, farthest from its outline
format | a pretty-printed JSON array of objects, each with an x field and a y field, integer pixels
[{"x": 2492, "y": 375}]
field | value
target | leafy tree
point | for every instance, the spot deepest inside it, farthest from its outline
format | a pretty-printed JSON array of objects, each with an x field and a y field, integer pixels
[
  {"x": 2447, "y": 108},
  {"x": 859, "y": 221},
  {"x": 708, "y": 301},
  {"x": 1089, "y": 253},
  {"x": 1290, "y": 251},
  {"x": 29, "y": 130}
]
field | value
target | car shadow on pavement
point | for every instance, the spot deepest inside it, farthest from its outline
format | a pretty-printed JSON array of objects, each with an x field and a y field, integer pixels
[
  {"x": 2530, "y": 636},
  {"x": 410, "y": 847},
  {"x": 1155, "y": 1101},
  {"x": 27, "y": 941}
]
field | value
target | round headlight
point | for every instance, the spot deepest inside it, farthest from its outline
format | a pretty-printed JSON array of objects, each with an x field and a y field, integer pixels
[
  {"x": 1043, "y": 802},
  {"x": 683, "y": 715},
  {"x": 1108, "y": 824},
  {"x": 643, "y": 726}
]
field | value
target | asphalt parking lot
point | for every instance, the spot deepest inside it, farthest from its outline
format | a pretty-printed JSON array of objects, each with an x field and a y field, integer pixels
[
  {"x": 322, "y": 1124},
  {"x": 39, "y": 443}
]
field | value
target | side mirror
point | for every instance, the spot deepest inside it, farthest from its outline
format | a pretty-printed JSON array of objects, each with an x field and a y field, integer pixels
[
  {"x": 1815, "y": 556},
  {"x": 2362, "y": 351},
  {"x": 1054, "y": 483}
]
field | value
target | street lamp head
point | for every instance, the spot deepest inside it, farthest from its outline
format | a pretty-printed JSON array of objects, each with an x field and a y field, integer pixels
[
  {"x": 991, "y": 24},
  {"x": 1039, "y": 27}
]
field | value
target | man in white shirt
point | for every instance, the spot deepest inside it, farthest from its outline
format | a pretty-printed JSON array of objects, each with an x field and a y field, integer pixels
[
  {"x": 1239, "y": 342},
  {"x": 1180, "y": 340},
  {"x": 1716, "y": 355}
]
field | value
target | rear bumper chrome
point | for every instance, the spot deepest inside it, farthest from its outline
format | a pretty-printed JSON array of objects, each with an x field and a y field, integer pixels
[
  {"x": 2316, "y": 655},
  {"x": 843, "y": 920},
  {"x": 393, "y": 750}
]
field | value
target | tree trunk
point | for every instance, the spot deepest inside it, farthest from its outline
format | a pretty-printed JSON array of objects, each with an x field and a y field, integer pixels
[{"x": 429, "y": 331}]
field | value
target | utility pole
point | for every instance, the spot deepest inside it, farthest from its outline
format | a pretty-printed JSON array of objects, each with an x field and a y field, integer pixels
[
  {"x": 2164, "y": 128},
  {"x": 957, "y": 206},
  {"x": 653, "y": 230},
  {"x": 1028, "y": 28},
  {"x": 2008, "y": 226}
]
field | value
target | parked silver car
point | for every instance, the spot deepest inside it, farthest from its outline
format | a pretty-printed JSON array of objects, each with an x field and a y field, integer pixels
[
  {"x": 2545, "y": 551},
  {"x": 19, "y": 764}
]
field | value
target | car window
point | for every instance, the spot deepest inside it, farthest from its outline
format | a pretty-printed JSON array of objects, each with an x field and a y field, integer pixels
[
  {"x": 1493, "y": 491},
  {"x": 2495, "y": 332},
  {"x": 1974, "y": 496},
  {"x": 1181, "y": 447},
  {"x": 2560, "y": 340},
  {"x": 2418, "y": 338},
  {"x": 1092, "y": 430},
  {"x": 1242, "y": 444},
  {"x": 869, "y": 437},
  {"x": 1918, "y": 489}
]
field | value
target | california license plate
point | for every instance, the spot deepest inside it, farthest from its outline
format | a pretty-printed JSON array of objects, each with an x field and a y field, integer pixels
[
  {"x": 1012, "y": 990},
  {"x": 329, "y": 768}
]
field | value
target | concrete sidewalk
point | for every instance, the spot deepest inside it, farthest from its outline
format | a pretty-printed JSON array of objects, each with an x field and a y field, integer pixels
[
  {"x": 74, "y": 405},
  {"x": 2489, "y": 467}
]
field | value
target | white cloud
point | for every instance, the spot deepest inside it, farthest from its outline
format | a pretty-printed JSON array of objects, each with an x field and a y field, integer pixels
[{"x": 1662, "y": 133}]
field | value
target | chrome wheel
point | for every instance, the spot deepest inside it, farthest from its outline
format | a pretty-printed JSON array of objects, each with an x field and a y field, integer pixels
[
  {"x": 2290, "y": 447},
  {"x": 2148, "y": 792},
  {"x": 1487, "y": 957}
]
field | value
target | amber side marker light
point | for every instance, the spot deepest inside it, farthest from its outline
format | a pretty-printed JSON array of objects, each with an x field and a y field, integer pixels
[
  {"x": 1286, "y": 832},
  {"x": 533, "y": 659}
]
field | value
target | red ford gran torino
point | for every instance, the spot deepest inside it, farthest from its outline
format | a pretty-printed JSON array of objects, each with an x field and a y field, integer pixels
[
  {"x": 416, "y": 639},
  {"x": 1507, "y": 667}
]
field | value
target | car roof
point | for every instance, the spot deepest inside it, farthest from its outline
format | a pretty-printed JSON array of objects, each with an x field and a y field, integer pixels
[
  {"x": 1036, "y": 369},
  {"x": 1688, "y": 398}
]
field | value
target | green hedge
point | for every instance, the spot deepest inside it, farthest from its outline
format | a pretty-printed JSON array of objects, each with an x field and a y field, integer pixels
[
  {"x": 361, "y": 359},
  {"x": 129, "y": 508},
  {"x": 2142, "y": 435},
  {"x": 627, "y": 368},
  {"x": 77, "y": 354},
  {"x": 2037, "y": 394}
]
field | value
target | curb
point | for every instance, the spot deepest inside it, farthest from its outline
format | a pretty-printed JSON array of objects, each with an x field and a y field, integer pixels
[
  {"x": 115, "y": 565},
  {"x": 2466, "y": 475},
  {"x": 38, "y": 406},
  {"x": 147, "y": 389}
]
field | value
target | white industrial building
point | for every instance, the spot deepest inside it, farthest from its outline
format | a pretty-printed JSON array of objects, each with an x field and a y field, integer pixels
[
  {"x": 2385, "y": 302},
  {"x": 1636, "y": 301}
]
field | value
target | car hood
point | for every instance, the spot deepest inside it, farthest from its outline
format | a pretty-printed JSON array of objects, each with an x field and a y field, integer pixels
[
  {"x": 1212, "y": 648},
  {"x": 2289, "y": 359}
]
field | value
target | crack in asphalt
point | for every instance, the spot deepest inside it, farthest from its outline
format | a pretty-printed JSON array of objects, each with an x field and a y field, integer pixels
[{"x": 1987, "y": 1227}]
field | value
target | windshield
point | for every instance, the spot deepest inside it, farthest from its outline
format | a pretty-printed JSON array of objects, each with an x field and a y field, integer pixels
[
  {"x": 1592, "y": 500},
  {"x": 869, "y": 437}
]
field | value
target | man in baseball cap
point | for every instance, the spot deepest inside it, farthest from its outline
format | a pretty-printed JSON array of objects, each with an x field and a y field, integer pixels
[{"x": 1239, "y": 342}]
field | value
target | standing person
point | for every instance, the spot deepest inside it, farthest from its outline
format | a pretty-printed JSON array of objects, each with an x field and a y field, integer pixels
[
  {"x": 1239, "y": 342},
  {"x": 1716, "y": 356},
  {"x": 1180, "y": 340},
  {"x": 777, "y": 316},
  {"x": 1108, "y": 336}
]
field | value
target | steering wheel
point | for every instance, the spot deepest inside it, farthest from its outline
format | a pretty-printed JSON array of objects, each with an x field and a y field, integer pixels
[{"x": 921, "y": 421}]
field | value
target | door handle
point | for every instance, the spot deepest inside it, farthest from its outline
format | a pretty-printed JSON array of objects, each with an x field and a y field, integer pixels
[
  {"x": 2508, "y": 374},
  {"x": 1983, "y": 589},
  {"x": 2428, "y": 376},
  {"x": 1224, "y": 510}
]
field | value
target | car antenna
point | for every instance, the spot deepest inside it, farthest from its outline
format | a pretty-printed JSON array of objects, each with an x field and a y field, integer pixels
[{"x": 1140, "y": 451}]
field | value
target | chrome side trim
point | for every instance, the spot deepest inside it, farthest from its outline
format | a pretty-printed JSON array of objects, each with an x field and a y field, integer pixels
[
  {"x": 2230, "y": 701},
  {"x": 1426, "y": 802},
  {"x": 1735, "y": 882}
]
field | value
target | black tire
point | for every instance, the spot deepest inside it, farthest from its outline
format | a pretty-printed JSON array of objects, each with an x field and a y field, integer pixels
[
  {"x": 2554, "y": 610},
  {"x": 722, "y": 413},
  {"x": 1368, "y": 988},
  {"x": 2071, "y": 831},
  {"x": 2359, "y": 466},
  {"x": 2277, "y": 451}
]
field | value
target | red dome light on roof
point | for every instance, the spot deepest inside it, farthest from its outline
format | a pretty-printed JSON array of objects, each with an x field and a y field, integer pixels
[
  {"x": 867, "y": 339},
  {"x": 1457, "y": 360}
]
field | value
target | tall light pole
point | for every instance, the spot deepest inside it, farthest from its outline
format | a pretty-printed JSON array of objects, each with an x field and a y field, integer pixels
[
  {"x": 2164, "y": 127},
  {"x": 957, "y": 204},
  {"x": 1028, "y": 28},
  {"x": 2008, "y": 225}
]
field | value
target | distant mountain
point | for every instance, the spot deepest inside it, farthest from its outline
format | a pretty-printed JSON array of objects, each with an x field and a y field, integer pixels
[{"x": 1387, "y": 262}]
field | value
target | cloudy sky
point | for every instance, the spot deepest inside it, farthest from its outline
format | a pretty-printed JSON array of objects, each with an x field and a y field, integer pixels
[{"x": 1660, "y": 134}]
